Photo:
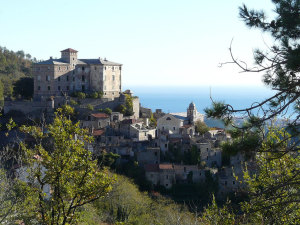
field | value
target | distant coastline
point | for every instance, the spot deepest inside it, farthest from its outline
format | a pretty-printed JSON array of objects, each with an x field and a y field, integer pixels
[{"x": 176, "y": 98}]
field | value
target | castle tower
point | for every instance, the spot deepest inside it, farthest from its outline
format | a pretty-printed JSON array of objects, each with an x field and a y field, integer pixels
[
  {"x": 192, "y": 112},
  {"x": 70, "y": 56}
]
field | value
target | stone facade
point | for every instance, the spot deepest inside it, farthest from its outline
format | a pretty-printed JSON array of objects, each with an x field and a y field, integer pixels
[{"x": 56, "y": 77}]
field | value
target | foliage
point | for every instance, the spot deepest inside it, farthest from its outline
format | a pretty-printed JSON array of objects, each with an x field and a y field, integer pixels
[
  {"x": 73, "y": 102},
  {"x": 90, "y": 107},
  {"x": 80, "y": 95},
  {"x": 107, "y": 159},
  {"x": 192, "y": 157},
  {"x": 121, "y": 109},
  {"x": 13, "y": 66},
  {"x": 94, "y": 95},
  {"x": 108, "y": 111},
  {"x": 68, "y": 168},
  {"x": 153, "y": 121},
  {"x": 125, "y": 204},
  {"x": 128, "y": 105},
  {"x": 201, "y": 127},
  {"x": 23, "y": 87},
  {"x": 274, "y": 190},
  {"x": 216, "y": 215}
]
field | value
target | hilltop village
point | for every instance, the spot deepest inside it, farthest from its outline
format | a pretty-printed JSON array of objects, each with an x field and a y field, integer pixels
[{"x": 170, "y": 148}]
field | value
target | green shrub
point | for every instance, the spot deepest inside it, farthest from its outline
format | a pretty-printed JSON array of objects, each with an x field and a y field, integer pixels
[
  {"x": 73, "y": 102},
  {"x": 108, "y": 111},
  {"x": 90, "y": 107},
  {"x": 81, "y": 95},
  {"x": 94, "y": 95}
]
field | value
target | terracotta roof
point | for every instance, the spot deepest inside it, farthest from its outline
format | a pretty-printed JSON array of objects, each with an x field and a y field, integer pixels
[
  {"x": 69, "y": 50},
  {"x": 100, "y": 115},
  {"x": 165, "y": 166},
  {"x": 98, "y": 132}
]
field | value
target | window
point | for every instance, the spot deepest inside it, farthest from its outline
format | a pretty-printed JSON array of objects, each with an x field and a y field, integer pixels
[
  {"x": 83, "y": 88},
  {"x": 166, "y": 145},
  {"x": 73, "y": 70},
  {"x": 233, "y": 182},
  {"x": 48, "y": 67},
  {"x": 215, "y": 154},
  {"x": 67, "y": 88},
  {"x": 104, "y": 77},
  {"x": 73, "y": 78},
  {"x": 38, "y": 77},
  {"x": 225, "y": 183},
  {"x": 99, "y": 124},
  {"x": 145, "y": 134},
  {"x": 168, "y": 118},
  {"x": 95, "y": 68},
  {"x": 105, "y": 68},
  {"x": 82, "y": 68},
  {"x": 167, "y": 185},
  {"x": 48, "y": 88},
  {"x": 83, "y": 78},
  {"x": 200, "y": 174},
  {"x": 58, "y": 88},
  {"x": 112, "y": 67},
  {"x": 104, "y": 87},
  {"x": 59, "y": 68},
  {"x": 174, "y": 128},
  {"x": 113, "y": 93},
  {"x": 113, "y": 77},
  {"x": 73, "y": 87},
  {"x": 39, "y": 88},
  {"x": 58, "y": 78},
  {"x": 206, "y": 157},
  {"x": 67, "y": 78},
  {"x": 167, "y": 177},
  {"x": 47, "y": 78}
]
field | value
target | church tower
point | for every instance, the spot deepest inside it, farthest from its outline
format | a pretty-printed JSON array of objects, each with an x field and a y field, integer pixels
[
  {"x": 192, "y": 112},
  {"x": 69, "y": 55}
]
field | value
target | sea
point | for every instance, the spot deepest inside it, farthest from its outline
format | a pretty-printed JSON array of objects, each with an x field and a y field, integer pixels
[
  {"x": 177, "y": 98},
  {"x": 174, "y": 99}
]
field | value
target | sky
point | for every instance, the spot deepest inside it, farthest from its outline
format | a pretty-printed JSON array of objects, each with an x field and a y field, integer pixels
[{"x": 159, "y": 42}]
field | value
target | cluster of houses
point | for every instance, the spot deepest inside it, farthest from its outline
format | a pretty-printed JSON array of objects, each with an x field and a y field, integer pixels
[{"x": 134, "y": 138}]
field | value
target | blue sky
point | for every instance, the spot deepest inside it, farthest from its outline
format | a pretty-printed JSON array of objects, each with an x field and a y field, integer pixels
[{"x": 159, "y": 42}]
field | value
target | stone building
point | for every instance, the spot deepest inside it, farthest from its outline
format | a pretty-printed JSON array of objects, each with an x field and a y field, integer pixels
[{"x": 56, "y": 77}]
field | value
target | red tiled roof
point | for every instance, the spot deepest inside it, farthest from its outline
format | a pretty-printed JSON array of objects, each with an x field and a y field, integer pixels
[
  {"x": 100, "y": 115},
  {"x": 165, "y": 166},
  {"x": 98, "y": 132},
  {"x": 69, "y": 50}
]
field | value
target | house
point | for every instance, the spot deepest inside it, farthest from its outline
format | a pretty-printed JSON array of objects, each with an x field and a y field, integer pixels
[
  {"x": 148, "y": 156},
  {"x": 96, "y": 121}
]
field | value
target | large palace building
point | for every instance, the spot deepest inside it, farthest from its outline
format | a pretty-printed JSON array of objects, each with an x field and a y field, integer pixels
[{"x": 57, "y": 77}]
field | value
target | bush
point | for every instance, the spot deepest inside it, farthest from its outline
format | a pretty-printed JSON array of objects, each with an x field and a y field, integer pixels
[
  {"x": 121, "y": 108},
  {"x": 73, "y": 102},
  {"x": 90, "y": 107},
  {"x": 81, "y": 95},
  {"x": 108, "y": 111},
  {"x": 94, "y": 95}
]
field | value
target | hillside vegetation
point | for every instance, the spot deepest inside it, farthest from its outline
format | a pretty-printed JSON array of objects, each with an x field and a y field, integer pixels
[{"x": 15, "y": 73}]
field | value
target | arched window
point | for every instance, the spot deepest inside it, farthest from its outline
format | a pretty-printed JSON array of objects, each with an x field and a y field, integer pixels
[{"x": 168, "y": 118}]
